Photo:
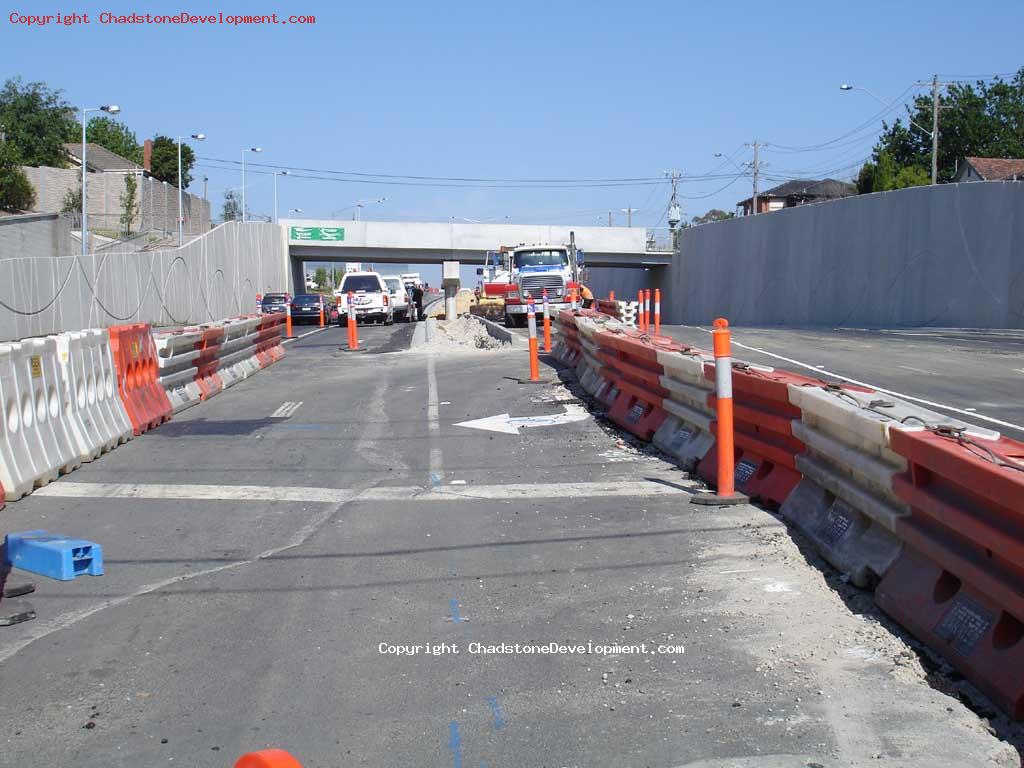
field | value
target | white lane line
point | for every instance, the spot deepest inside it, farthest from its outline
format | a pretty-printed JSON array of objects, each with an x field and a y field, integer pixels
[
  {"x": 304, "y": 335},
  {"x": 270, "y": 493},
  {"x": 894, "y": 393},
  {"x": 196, "y": 492},
  {"x": 434, "y": 425},
  {"x": 286, "y": 410}
]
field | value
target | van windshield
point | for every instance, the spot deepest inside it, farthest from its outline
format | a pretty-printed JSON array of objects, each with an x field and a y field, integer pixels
[{"x": 541, "y": 258}]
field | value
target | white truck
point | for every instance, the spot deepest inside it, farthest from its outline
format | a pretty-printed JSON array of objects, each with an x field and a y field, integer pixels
[
  {"x": 411, "y": 279},
  {"x": 370, "y": 296},
  {"x": 527, "y": 271}
]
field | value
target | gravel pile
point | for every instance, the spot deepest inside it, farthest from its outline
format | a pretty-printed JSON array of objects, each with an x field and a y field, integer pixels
[{"x": 461, "y": 333}]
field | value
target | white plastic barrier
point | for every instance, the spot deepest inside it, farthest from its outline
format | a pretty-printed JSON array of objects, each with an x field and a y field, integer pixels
[
  {"x": 686, "y": 431},
  {"x": 176, "y": 353},
  {"x": 628, "y": 311},
  {"x": 35, "y": 446},
  {"x": 96, "y": 417}
]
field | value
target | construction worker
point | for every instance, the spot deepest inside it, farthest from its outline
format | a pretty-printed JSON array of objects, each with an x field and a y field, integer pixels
[{"x": 587, "y": 295}]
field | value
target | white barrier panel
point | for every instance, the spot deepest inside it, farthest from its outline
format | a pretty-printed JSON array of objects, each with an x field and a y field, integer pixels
[
  {"x": 35, "y": 447},
  {"x": 176, "y": 354},
  {"x": 87, "y": 384}
]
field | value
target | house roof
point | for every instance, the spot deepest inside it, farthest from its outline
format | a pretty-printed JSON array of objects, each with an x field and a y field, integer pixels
[
  {"x": 819, "y": 189},
  {"x": 100, "y": 159},
  {"x": 997, "y": 168}
]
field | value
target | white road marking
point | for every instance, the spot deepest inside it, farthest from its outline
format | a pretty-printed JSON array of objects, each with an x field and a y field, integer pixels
[
  {"x": 511, "y": 425},
  {"x": 918, "y": 370},
  {"x": 434, "y": 425},
  {"x": 931, "y": 403},
  {"x": 286, "y": 410},
  {"x": 271, "y": 493}
]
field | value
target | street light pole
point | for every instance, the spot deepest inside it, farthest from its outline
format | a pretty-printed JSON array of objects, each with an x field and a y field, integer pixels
[
  {"x": 276, "y": 174},
  {"x": 181, "y": 193},
  {"x": 933, "y": 134},
  {"x": 248, "y": 149},
  {"x": 112, "y": 109}
]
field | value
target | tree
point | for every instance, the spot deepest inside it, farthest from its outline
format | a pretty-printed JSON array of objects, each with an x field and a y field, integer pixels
[
  {"x": 321, "y": 278},
  {"x": 715, "y": 214},
  {"x": 232, "y": 210},
  {"x": 115, "y": 136},
  {"x": 885, "y": 174},
  {"x": 72, "y": 200},
  {"x": 128, "y": 203},
  {"x": 38, "y": 122},
  {"x": 981, "y": 120},
  {"x": 16, "y": 193},
  {"x": 165, "y": 161}
]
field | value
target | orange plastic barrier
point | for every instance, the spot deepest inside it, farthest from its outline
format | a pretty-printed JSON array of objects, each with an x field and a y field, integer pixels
[
  {"x": 135, "y": 360},
  {"x": 268, "y": 339},
  {"x": 208, "y": 361},
  {"x": 959, "y": 585}
]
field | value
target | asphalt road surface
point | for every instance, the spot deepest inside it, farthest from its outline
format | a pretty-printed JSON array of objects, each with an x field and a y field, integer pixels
[{"x": 267, "y": 550}]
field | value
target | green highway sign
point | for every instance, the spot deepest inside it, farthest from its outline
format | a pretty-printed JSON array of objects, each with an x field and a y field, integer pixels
[{"x": 335, "y": 234}]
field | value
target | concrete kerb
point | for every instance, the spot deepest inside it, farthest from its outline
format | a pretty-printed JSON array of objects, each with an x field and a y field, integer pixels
[{"x": 501, "y": 333}]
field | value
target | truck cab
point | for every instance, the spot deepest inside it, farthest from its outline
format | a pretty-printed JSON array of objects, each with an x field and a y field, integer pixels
[{"x": 528, "y": 271}]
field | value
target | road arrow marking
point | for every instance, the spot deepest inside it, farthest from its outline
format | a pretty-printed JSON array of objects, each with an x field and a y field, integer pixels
[{"x": 510, "y": 425}]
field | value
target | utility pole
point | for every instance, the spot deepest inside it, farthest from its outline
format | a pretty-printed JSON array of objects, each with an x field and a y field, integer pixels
[
  {"x": 674, "y": 211},
  {"x": 756, "y": 169},
  {"x": 935, "y": 129}
]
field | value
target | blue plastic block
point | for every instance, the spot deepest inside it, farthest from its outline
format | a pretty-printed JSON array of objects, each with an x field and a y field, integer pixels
[{"x": 47, "y": 554}]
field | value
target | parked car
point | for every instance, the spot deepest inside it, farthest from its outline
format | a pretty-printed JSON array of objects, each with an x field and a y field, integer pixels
[
  {"x": 274, "y": 302},
  {"x": 306, "y": 306},
  {"x": 401, "y": 298},
  {"x": 371, "y": 298}
]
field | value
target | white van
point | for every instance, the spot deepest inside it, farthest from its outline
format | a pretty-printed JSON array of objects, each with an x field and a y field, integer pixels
[
  {"x": 371, "y": 298},
  {"x": 403, "y": 307}
]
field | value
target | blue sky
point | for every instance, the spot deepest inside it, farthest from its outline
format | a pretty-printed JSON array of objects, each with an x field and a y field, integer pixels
[{"x": 525, "y": 90}]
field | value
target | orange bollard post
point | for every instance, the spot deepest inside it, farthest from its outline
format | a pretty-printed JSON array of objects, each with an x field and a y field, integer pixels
[
  {"x": 353, "y": 331},
  {"x": 288, "y": 320},
  {"x": 647, "y": 310},
  {"x": 611, "y": 295},
  {"x": 547, "y": 323},
  {"x": 724, "y": 447},
  {"x": 321, "y": 310},
  {"x": 531, "y": 322},
  {"x": 657, "y": 311},
  {"x": 640, "y": 319}
]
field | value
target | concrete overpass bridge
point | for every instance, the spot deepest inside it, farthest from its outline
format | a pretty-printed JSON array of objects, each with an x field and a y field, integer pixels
[{"x": 403, "y": 242}]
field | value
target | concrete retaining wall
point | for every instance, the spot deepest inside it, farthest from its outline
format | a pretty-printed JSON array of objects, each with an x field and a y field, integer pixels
[
  {"x": 35, "y": 235},
  {"x": 950, "y": 255},
  {"x": 215, "y": 276}
]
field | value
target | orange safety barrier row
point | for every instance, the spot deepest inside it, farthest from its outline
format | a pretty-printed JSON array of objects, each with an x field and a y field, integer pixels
[
  {"x": 135, "y": 360},
  {"x": 959, "y": 585},
  {"x": 949, "y": 536}
]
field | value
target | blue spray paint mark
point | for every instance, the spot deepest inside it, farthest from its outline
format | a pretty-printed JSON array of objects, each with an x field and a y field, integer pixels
[
  {"x": 455, "y": 744},
  {"x": 453, "y": 604},
  {"x": 435, "y": 479},
  {"x": 499, "y": 718}
]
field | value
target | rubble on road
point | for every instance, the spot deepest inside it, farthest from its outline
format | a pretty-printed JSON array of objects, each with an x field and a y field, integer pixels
[{"x": 462, "y": 333}]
